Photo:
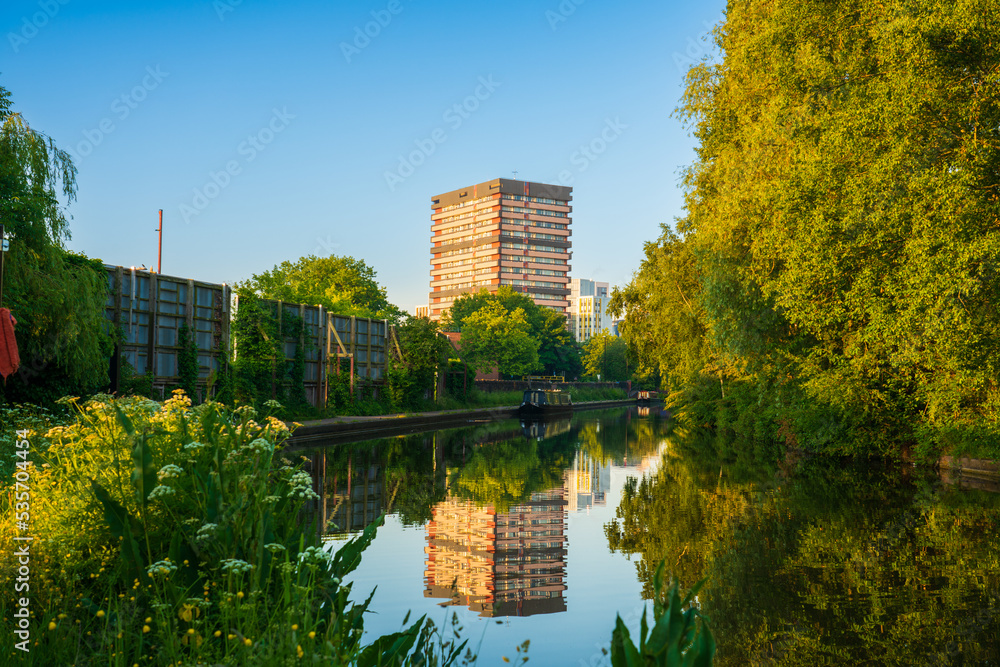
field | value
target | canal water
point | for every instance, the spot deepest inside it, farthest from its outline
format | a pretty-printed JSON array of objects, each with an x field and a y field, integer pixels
[{"x": 546, "y": 531}]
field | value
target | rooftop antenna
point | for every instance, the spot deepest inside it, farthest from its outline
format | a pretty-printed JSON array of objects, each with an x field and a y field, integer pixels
[
  {"x": 159, "y": 253},
  {"x": 515, "y": 174}
]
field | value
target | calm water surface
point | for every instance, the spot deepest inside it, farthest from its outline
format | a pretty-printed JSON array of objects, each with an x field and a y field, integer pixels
[{"x": 546, "y": 531}]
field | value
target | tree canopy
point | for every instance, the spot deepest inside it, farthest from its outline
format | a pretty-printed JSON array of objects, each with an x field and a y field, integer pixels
[
  {"x": 494, "y": 337},
  {"x": 838, "y": 258},
  {"x": 56, "y": 296},
  {"x": 342, "y": 285},
  {"x": 558, "y": 353},
  {"x": 423, "y": 349},
  {"x": 606, "y": 356}
]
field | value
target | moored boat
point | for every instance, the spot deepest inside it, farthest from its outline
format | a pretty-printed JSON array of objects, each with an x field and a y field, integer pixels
[
  {"x": 545, "y": 402},
  {"x": 646, "y": 396}
]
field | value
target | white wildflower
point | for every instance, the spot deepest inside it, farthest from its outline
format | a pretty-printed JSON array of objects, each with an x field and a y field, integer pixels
[
  {"x": 236, "y": 566},
  {"x": 301, "y": 486},
  {"x": 206, "y": 532},
  {"x": 314, "y": 556},
  {"x": 160, "y": 491},
  {"x": 169, "y": 471},
  {"x": 163, "y": 567},
  {"x": 259, "y": 446}
]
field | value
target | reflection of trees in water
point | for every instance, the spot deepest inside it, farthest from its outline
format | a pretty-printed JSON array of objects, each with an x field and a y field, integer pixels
[
  {"x": 619, "y": 437},
  {"x": 498, "y": 462},
  {"x": 829, "y": 560}
]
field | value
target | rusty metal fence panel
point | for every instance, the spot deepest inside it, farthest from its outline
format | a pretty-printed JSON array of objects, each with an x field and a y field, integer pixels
[
  {"x": 363, "y": 338},
  {"x": 149, "y": 308}
]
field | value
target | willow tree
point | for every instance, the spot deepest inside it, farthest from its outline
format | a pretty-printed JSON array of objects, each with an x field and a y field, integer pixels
[{"x": 56, "y": 296}]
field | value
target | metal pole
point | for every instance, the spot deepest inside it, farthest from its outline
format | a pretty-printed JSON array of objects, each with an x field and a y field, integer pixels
[{"x": 159, "y": 254}]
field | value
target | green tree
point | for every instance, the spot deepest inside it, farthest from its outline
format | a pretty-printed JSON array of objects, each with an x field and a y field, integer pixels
[
  {"x": 423, "y": 349},
  {"x": 840, "y": 230},
  {"x": 57, "y": 297},
  {"x": 664, "y": 322},
  {"x": 557, "y": 351},
  {"x": 606, "y": 356},
  {"x": 494, "y": 337},
  {"x": 342, "y": 285},
  {"x": 471, "y": 302}
]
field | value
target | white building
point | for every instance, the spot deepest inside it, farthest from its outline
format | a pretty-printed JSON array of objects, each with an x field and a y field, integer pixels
[{"x": 588, "y": 309}]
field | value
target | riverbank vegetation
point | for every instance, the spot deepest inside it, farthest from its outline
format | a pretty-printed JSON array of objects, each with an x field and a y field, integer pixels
[{"x": 833, "y": 285}]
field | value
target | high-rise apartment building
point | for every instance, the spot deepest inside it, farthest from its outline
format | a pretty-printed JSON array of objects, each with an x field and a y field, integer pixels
[
  {"x": 588, "y": 309},
  {"x": 501, "y": 232}
]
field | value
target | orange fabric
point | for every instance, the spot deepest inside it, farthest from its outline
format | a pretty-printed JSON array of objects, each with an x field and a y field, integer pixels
[{"x": 9, "y": 359}]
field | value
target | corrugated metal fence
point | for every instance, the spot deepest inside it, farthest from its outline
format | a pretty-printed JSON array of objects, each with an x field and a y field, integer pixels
[{"x": 150, "y": 308}]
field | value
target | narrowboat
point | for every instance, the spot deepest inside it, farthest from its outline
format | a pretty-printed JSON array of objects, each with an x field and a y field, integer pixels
[
  {"x": 545, "y": 402},
  {"x": 646, "y": 396}
]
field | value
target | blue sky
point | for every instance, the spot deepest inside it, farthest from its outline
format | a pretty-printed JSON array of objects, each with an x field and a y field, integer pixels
[{"x": 267, "y": 132}]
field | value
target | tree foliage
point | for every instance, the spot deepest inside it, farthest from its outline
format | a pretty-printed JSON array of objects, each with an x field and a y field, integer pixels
[
  {"x": 606, "y": 356},
  {"x": 56, "y": 296},
  {"x": 841, "y": 237},
  {"x": 558, "y": 353},
  {"x": 494, "y": 337},
  {"x": 423, "y": 350},
  {"x": 342, "y": 285}
]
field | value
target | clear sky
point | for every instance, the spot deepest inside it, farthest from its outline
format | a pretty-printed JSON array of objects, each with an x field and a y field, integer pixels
[{"x": 270, "y": 131}]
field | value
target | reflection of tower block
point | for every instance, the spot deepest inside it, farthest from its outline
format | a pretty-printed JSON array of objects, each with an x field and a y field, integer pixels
[
  {"x": 460, "y": 547},
  {"x": 531, "y": 556},
  {"x": 587, "y": 483},
  {"x": 499, "y": 565}
]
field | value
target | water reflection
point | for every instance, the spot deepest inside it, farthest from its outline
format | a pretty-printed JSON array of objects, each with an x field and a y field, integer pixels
[
  {"x": 493, "y": 500},
  {"x": 813, "y": 560},
  {"x": 509, "y": 563},
  {"x": 808, "y": 560}
]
